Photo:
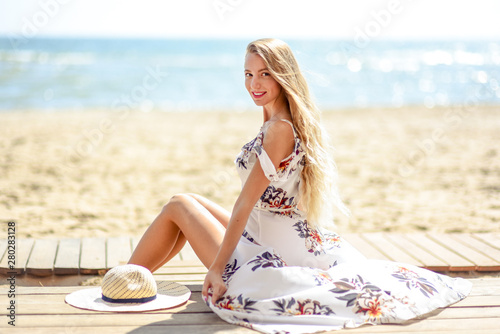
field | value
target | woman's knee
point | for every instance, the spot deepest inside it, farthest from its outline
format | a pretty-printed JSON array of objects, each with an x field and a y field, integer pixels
[
  {"x": 197, "y": 197},
  {"x": 177, "y": 201}
]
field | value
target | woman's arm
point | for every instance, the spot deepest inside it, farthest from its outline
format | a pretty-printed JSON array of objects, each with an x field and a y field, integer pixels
[{"x": 278, "y": 144}]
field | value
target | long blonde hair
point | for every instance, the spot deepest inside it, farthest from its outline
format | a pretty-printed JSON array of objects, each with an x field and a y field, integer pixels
[{"x": 318, "y": 188}]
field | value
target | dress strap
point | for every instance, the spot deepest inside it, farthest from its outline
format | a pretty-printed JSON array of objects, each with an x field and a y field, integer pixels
[{"x": 291, "y": 124}]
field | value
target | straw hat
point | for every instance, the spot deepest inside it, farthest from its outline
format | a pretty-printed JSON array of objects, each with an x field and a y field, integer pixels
[{"x": 130, "y": 288}]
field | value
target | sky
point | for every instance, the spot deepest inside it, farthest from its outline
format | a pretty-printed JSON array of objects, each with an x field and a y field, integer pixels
[{"x": 386, "y": 19}]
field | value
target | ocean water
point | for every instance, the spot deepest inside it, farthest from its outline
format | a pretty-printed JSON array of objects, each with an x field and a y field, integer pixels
[{"x": 147, "y": 74}]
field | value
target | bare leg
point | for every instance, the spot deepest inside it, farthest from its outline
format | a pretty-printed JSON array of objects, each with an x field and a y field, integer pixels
[
  {"x": 183, "y": 217},
  {"x": 181, "y": 241},
  {"x": 221, "y": 214}
]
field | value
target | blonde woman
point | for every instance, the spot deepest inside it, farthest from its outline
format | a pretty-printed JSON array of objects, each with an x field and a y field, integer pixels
[{"x": 272, "y": 265}]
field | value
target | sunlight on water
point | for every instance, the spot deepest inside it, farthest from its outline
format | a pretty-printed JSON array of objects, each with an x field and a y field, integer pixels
[{"x": 208, "y": 74}]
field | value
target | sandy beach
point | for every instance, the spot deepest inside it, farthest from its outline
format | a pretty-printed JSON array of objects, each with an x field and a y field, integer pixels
[{"x": 102, "y": 173}]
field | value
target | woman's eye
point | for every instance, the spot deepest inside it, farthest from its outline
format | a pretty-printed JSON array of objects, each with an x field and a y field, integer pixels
[{"x": 248, "y": 74}]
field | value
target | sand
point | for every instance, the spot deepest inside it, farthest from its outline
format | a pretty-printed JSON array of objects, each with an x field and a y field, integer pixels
[{"x": 100, "y": 173}]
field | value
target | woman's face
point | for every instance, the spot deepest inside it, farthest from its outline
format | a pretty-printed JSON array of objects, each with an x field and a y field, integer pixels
[{"x": 262, "y": 87}]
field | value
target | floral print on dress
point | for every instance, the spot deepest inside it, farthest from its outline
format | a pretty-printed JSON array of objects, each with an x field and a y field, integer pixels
[
  {"x": 266, "y": 260},
  {"x": 276, "y": 198},
  {"x": 291, "y": 306},
  {"x": 229, "y": 271},
  {"x": 247, "y": 236},
  {"x": 365, "y": 298},
  {"x": 331, "y": 240},
  {"x": 376, "y": 306},
  {"x": 322, "y": 278},
  {"x": 313, "y": 239},
  {"x": 286, "y": 167},
  {"x": 236, "y": 303},
  {"x": 414, "y": 281},
  {"x": 242, "y": 160}
]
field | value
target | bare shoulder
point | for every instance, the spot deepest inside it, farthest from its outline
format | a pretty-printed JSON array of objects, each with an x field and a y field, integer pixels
[
  {"x": 279, "y": 130},
  {"x": 279, "y": 140}
]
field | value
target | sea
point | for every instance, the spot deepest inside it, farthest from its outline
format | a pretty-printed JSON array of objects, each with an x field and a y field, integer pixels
[{"x": 78, "y": 74}]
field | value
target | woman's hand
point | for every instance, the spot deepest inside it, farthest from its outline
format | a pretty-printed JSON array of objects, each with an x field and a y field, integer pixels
[{"x": 214, "y": 284}]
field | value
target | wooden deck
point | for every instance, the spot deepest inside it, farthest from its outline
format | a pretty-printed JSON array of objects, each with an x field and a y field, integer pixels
[
  {"x": 43, "y": 310},
  {"x": 40, "y": 308},
  {"x": 94, "y": 256}
]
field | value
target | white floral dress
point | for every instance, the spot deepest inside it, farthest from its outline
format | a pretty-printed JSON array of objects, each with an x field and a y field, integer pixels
[{"x": 286, "y": 277}]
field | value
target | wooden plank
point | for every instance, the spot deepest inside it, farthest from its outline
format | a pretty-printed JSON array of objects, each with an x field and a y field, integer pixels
[
  {"x": 43, "y": 255},
  {"x": 364, "y": 247},
  {"x": 54, "y": 304},
  {"x": 461, "y": 250},
  {"x": 223, "y": 329},
  {"x": 422, "y": 257},
  {"x": 115, "y": 319},
  {"x": 479, "y": 301},
  {"x": 68, "y": 257},
  {"x": 176, "y": 258},
  {"x": 62, "y": 290},
  {"x": 219, "y": 329},
  {"x": 485, "y": 290},
  {"x": 23, "y": 251},
  {"x": 493, "y": 239},
  {"x": 456, "y": 262},
  {"x": 486, "y": 281},
  {"x": 468, "y": 312},
  {"x": 403, "y": 330},
  {"x": 192, "y": 278},
  {"x": 93, "y": 256},
  {"x": 479, "y": 245},
  {"x": 480, "y": 288},
  {"x": 4, "y": 261},
  {"x": 30, "y": 304},
  {"x": 177, "y": 263},
  {"x": 442, "y": 326},
  {"x": 181, "y": 270},
  {"x": 393, "y": 251},
  {"x": 118, "y": 251},
  {"x": 160, "y": 328},
  {"x": 3, "y": 248},
  {"x": 484, "y": 256},
  {"x": 165, "y": 321}
]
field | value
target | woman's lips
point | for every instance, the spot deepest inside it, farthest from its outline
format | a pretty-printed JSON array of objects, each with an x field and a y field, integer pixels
[{"x": 258, "y": 95}]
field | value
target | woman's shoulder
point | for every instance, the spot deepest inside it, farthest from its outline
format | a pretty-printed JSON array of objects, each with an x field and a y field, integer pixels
[
  {"x": 279, "y": 127},
  {"x": 278, "y": 130},
  {"x": 279, "y": 139}
]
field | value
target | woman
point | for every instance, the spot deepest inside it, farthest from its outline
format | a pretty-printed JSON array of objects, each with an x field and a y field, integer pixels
[{"x": 272, "y": 266}]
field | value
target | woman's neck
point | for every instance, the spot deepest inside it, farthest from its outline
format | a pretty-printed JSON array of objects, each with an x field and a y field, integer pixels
[{"x": 276, "y": 111}]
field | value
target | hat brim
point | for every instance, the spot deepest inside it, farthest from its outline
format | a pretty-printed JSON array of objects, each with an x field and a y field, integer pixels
[{"x": 169, "y": 294}]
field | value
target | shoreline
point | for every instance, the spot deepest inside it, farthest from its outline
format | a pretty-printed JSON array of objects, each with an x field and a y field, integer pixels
[{"x": 96, "y": 173}]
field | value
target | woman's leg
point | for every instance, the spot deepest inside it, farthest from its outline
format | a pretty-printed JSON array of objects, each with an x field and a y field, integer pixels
[
  {"x": 183, "y": 218},
  {"x": 221, "y": 214},
  {"x": 179, "y": 244}
]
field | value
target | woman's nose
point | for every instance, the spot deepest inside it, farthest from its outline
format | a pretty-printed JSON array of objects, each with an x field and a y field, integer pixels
[{"x": 255, "y": 83}]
